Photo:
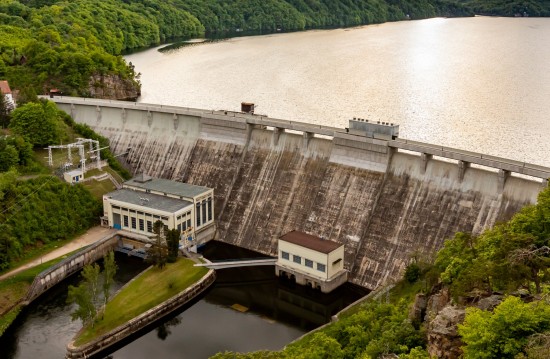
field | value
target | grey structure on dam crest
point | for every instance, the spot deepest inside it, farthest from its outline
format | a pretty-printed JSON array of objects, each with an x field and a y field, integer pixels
[{"x": 385, "y": 198}]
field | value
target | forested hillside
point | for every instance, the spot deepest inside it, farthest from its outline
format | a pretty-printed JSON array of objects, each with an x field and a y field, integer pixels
[{"x": 75, "y": 46}]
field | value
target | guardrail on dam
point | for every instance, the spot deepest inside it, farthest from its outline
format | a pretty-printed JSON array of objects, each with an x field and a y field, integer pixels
[{"x": 386, "y": 198}]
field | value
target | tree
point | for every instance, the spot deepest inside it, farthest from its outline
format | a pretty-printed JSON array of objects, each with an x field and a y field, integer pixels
[
  {"x": 36, "y": 122},
  {"x": 9, "y": 156},
  {"x": 172, "y": 240},
  {"x": 157, "y": 255},
  {"x": 109, "y": 271},
  {"x": 505, "y": 332},
  {"x": 85, "y": 295}
]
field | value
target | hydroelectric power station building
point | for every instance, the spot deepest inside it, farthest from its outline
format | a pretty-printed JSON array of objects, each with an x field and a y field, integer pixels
[
  {"x": 311, "y": 261},
  {"x": 144, "y": 200}
]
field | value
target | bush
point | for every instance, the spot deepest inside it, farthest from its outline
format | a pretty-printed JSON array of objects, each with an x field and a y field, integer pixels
[{"x": 412, "y": 273}]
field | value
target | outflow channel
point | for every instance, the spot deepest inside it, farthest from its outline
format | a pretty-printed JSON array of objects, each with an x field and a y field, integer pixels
[{"x": 247, "y": 309}]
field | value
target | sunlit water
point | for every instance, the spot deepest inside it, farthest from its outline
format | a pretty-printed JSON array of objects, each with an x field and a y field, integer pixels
[{"x": 480, "y": 84}]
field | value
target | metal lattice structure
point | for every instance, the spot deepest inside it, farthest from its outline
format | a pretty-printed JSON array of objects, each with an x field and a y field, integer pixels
[{"x": 94, "y": 150}]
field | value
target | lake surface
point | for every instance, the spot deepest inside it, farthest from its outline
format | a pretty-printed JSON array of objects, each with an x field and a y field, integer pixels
[{"x": 480, "y": 84}]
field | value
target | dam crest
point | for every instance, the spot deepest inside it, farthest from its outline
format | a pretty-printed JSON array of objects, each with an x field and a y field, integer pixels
[{"x": 387, "y": 199}]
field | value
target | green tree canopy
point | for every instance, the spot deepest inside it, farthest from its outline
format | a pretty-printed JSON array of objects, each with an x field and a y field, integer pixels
[
  {"x": 37, "y": 123},
  {"x": 505, "y": 332}
]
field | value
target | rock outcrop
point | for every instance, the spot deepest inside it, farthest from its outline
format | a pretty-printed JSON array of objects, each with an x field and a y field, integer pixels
[
  {"x": 113, "y": 87},
  {"x": 443, "y": 339}
]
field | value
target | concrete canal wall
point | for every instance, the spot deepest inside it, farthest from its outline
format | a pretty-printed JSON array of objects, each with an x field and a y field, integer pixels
[
  {"x": 55, "y": 274},
  {"x": 385, "y": 198},
  {"x": 140, "y": 322}
]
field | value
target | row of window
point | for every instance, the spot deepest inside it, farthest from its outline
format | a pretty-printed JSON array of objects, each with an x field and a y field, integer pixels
[
  {"x": 139, "y": 223},
  {"x": 204, "y": 211},
  {"x": 307, "y": 262}
]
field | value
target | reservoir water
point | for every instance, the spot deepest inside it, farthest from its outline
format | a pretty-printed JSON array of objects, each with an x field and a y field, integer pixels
[
  {"x": 480, "y": 84},
  {"x": 272, "y": 314}
]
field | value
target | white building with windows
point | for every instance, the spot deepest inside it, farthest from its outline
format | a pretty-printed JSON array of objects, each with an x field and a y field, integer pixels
[
  {"x": 6, "y": 92},
  {"x": 73, "y": 176},
  {"x": 311, "y": 261},
  {"x": 143, "y": 200}
]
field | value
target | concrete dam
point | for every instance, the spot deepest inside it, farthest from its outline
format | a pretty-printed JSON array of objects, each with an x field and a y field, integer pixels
[{"x": 385, "y": 198}]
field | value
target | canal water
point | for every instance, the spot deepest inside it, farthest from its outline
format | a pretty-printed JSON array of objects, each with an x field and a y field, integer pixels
[{"x": 247, "y": 309}]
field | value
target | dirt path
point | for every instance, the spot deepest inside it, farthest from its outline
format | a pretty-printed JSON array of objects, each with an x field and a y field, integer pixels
[{"x": 92, "y": 235}]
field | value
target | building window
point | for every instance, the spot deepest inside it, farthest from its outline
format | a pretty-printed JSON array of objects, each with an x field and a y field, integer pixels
[
  {"x": 134, "y": 222},
  {"x": 297, "y": 259},
  {"x": 141, "y": 225},
  {"x": 125, "y": 218},
  {"x": 189, "y": 223},
  {"x": 210, "y": 209},
  {"x": 285, "y": 255},
  {"x": 321, "y": 267},
  {"x": 309, "y": 263},
  {"x": 149, "y": 226},
  {"x": 116, "y": 207},
  {"x": 337, "y": 262},
  {"x": 179, "y": 227},
  {"x": 198, "y": 214},
  {"x": 204, "y": 211}
]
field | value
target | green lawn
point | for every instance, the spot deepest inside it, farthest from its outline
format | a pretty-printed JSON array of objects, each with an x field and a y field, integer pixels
[
  {"x": 145, "y": 292},
  {"x": 99, "y": 188},
  {"x": 15, "y": 288}
]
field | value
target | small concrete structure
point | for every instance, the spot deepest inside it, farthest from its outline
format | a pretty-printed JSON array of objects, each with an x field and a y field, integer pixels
[
  {"x": 73, "y": 176},
  {"x": 144, "y": 200},
  {"x": 311, "y": 261}
]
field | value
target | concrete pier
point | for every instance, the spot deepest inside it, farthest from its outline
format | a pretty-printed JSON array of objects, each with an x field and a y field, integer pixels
[{"x": 384, "y": 197}]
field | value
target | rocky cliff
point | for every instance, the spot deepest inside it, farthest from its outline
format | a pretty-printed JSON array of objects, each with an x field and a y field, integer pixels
[{"x": 113, "y": 87}]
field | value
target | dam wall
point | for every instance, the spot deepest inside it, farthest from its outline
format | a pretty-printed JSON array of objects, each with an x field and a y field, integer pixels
[{"x": 387, "y": 199}]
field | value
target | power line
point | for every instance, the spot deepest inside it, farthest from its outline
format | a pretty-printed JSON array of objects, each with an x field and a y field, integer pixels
[{"x": 49, "y": 179}]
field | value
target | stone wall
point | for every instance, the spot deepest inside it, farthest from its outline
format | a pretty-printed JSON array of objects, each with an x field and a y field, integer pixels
[
  {"x": 143, "y": 320},
  {"x": 55, "y": 274}
]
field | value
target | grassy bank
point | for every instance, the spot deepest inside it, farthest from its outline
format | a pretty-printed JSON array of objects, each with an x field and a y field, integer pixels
[
  {"x": 145, "y": 292},
  {"x": 14, "y": 289}
]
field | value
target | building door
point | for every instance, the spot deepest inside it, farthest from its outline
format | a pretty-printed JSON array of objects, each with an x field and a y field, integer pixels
[{"x": 116, "y": 221}]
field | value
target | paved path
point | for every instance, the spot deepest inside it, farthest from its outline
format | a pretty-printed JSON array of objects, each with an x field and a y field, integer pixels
[{"x": 92, "y": 235}]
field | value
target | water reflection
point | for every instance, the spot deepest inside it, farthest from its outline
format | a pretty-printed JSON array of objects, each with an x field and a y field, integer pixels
[
  {"x": 480, "y": 84},
  {"x": 247, "y": 309}
]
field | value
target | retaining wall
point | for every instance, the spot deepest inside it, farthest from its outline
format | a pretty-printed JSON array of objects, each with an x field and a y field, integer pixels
[
  {"x": 136, "y": 324},
  {"x": 55, "y": 274},
  {"x": 384, "y": 202}
]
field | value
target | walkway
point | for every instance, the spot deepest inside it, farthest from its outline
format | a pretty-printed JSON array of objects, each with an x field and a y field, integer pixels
[
  {"x": 234, "y": 263},
  {"x": 92, "y": 235}
]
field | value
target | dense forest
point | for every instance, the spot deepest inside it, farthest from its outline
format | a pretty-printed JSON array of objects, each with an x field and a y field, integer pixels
[
  {"x": 35, "y": 207},
  {"x": 509, "y": 264},
  {"x": 75, "y": 46}
]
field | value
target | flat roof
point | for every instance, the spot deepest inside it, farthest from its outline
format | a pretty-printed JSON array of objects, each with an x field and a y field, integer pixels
[
  {"x": 74, "y": 172},
  {"x": 167, "y": 186},
  {"x": 311, "y": 242},
  {"x": 149, "y": 200}
]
